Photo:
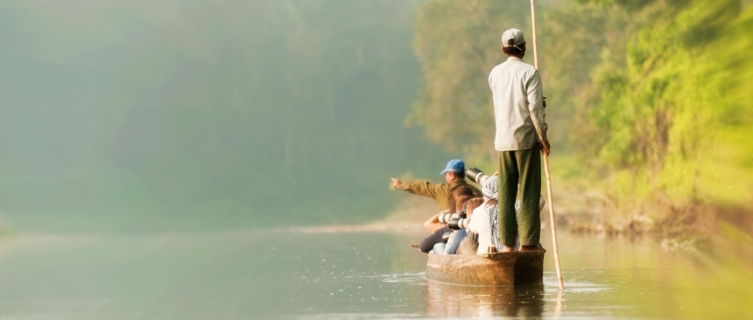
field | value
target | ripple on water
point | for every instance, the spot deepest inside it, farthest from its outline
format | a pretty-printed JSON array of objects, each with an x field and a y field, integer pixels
[
  {"x": 574, "y": 285},
  {"x": 337, "y": 316},
  {"x": 409, "y": 278}
]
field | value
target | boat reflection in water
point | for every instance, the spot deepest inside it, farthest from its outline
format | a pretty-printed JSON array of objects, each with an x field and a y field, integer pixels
[{"x": 448, "y": 300}]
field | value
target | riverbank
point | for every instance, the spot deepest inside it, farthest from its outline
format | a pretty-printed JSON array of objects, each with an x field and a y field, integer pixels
[{"x": 695, "y": 229}]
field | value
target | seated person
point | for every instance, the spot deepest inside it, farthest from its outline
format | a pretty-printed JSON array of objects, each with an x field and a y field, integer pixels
[
  {"x": 457, "y": 235},
  {"x": 469, "y": 245},
  {"x": 485, "y": 220},
  {"x": 433, "y": 223},
  {"x": 437, "y": 236},
  {"x": 481, "y": 222},
  {"x": 454, "y": 174},
  {"x": 453, "y": 242},
  {"x": 434, "y": 238}
]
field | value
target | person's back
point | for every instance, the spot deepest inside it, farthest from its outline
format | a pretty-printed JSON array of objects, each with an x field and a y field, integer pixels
[
  {"x": 512, "y": 84},
  {"x": 481, "y": 219},
  {"x": 521, "y": 134},
  {"x": 481, "y": 225},
  {"x": 470, "y": 244}
]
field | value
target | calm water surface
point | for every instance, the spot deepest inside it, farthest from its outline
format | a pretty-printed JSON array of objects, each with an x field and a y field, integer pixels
[{"x": 287, "y": 275}]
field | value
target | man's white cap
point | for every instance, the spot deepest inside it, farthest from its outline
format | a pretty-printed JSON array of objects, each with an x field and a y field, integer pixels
[{"x": 515, "y": 35}]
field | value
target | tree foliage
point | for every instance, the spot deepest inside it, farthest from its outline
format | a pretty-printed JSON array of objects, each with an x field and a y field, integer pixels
[
  {"x": 660, "y": 114},
  {"x": 458, "y": 43},
  {"x": 652, "y": 97}
]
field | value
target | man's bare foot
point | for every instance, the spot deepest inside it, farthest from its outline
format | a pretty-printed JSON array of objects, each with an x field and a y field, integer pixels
[{"x": 506, "y": 249}]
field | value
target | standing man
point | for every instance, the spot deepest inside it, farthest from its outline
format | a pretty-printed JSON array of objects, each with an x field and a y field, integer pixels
[
  {"x": 519, "y": 114},
  {"x": 454, "y": 174}
]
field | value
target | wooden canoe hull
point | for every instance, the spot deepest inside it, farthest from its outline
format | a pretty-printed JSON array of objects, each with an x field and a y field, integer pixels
[{"x": 498, "y": 269}]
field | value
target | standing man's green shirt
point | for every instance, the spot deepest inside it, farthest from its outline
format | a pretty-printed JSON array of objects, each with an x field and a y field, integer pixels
[
  {"x": 441, "y": 192},
  {"x": 520, "y": 119}
]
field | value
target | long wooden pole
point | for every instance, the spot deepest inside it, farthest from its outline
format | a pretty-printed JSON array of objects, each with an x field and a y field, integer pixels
[{"x": 546, "y": 164}]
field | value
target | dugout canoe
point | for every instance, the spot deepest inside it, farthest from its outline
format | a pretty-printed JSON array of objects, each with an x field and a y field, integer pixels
[{"x": 496, "y": 269}]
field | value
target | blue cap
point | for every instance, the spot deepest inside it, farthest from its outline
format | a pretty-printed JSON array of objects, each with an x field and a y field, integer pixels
[{"x": 455, "y": 165}]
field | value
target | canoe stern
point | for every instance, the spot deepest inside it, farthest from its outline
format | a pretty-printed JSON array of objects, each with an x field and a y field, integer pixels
[{"x": 512, "y": 268}]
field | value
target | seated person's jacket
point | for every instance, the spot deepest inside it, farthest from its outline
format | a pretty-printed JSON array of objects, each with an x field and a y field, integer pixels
[{"x": 441, "y": 192}]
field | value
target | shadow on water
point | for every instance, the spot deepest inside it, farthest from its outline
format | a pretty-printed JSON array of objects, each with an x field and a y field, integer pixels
[{"x": 447, "y": 300}]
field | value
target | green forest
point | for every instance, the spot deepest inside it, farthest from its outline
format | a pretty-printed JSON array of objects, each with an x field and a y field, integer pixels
[
  {"x": 141, "y": 116},
  {"x": 649, "y": 102}
]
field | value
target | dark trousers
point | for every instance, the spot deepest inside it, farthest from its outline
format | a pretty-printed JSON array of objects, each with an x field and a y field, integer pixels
[
  {"x": 524, "y": 167},
  {"x": 434, "y": 238}
]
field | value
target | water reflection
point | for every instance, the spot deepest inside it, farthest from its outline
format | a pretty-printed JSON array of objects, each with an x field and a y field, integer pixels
[
  {"x": 447, "y": 300},
  {"x": 248, "y": 275}
]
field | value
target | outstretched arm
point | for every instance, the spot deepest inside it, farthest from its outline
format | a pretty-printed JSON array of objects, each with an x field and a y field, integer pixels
[
  {"x": 421, "y": 188},
  {"x": 433, "y": 223}
]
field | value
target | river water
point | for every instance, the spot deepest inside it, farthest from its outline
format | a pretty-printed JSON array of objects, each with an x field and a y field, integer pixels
[{"x": 280, "y": 274}]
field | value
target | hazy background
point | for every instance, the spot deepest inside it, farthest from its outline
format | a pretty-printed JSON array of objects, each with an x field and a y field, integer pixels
[
  {"x": 195, "y": 115},
  {"x": 143, "y": 115}
]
